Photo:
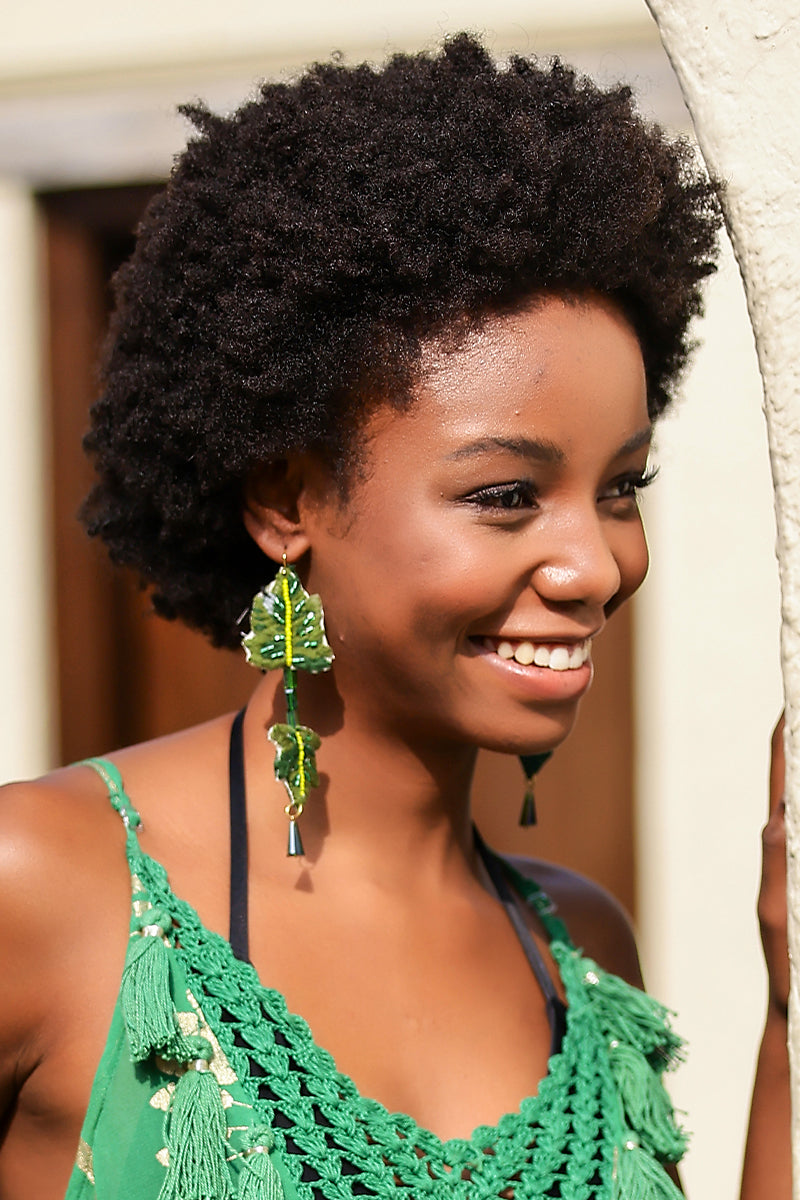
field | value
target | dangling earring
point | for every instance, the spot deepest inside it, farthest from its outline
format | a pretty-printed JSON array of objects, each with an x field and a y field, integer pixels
[
  {"x": 531, "y": 765},
  {"x": 287, "y": 629}
]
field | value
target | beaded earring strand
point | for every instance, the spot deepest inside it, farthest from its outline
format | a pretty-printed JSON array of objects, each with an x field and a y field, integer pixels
[{"x": 287, "y": 629}]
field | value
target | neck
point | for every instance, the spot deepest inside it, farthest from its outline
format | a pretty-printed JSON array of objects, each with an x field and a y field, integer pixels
[{"x": 398, "y": 806}]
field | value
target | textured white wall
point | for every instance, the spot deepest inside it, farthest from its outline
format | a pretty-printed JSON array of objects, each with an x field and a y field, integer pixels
[{"x": 738, "y": 66}]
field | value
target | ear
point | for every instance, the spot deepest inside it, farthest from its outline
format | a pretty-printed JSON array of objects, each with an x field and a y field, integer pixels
[{"x": 273, "y": 509}]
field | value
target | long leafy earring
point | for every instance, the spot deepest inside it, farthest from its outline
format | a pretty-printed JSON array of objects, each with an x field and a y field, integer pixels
[
  {"x": 531, "y": 765},
  {"x": 287, "y": 629}
]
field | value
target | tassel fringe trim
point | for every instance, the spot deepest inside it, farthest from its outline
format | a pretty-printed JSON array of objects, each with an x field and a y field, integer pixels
[
  {"x": 196, "y": 1130},
  {"x": 145, "y": 991},
  {"x": 258, "y": 1179},
  {"x": 637, "y": 1176},
  {"x": 641, "y": 1046}
]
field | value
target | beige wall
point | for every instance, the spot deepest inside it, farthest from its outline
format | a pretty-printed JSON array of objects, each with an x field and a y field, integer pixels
[
  {"x": 41, "y": 37},
  {"x": 708, "y": 692},
  {"x": 26, "y": 700},
  {"x": 87, "y": 94}
]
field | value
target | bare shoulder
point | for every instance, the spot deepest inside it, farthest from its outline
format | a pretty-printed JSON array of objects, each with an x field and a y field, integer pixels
[
  {"x": 60, "y": 838},
  {"x": 52, "y": 832},
  {"x": 65, "y": 903},
  {"x": 62, "y": 880},
  {"x": 596, "y": 921},
  {"x": 61, "y": 848}
]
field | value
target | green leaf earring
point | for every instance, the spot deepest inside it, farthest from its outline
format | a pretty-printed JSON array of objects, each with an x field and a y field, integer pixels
[{"x": 287, "y": 629}]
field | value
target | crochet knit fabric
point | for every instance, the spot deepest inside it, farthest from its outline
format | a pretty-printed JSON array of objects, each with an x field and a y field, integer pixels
[{"x": 600, "y": 1125}]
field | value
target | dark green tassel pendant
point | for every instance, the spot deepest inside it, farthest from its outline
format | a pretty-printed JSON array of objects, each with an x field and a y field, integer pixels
[
  {"x": 295, "y": 847},
  {"x": 528, "y": 815},
  {"x": 531, "y": 765}
]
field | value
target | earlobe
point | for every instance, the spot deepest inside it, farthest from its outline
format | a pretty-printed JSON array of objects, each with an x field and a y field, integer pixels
[{"x": 272, "y": 510}]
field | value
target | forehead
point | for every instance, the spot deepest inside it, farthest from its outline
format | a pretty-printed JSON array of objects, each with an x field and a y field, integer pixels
[{"x": 565, "y": 369}]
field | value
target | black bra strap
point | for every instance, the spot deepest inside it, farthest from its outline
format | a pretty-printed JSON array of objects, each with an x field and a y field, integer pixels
[
  {"x": 239, "y": 936},
  {"x": 556, "y": 1012}
]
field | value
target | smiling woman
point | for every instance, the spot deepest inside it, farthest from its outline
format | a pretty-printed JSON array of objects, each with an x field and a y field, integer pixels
[
  {"x": 393, "y": 339},
  {"x": 462, "y": 528}
]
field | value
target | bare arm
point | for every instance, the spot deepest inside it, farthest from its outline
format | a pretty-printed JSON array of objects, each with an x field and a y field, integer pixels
[
  {"x": 767, "y": 1163},
  {"x": 64, "y": 899}
]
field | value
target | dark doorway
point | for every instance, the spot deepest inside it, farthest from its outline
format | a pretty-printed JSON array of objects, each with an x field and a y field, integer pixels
[{"x": 124, "y": 675}]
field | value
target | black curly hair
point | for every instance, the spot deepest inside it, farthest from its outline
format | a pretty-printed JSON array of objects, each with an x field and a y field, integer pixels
[{"x": 306, "y": 247}]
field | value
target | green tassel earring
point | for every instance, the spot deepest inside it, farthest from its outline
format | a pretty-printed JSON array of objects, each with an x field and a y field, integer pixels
[
  {"x": 531, "y": 765},
  {"x": 287, "y": 629}
]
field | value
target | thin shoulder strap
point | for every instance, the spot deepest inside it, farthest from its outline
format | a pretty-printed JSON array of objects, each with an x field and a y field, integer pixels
[
  {"x": 239, "y": 920},
  {"x": 116, "y": 792},
  {"x": 536, "y": 897},
  {"x": 494, "y": 867},
  {"x": 556, "y": 1012}
]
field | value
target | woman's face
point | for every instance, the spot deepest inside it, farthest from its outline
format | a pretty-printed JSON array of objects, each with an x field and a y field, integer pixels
[{"x": 494, "y": 530}]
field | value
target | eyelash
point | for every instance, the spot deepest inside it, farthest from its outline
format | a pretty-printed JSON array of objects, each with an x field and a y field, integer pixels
[
  {"x": 628, "y": 486},
  {"x": 492, "y": 497}
]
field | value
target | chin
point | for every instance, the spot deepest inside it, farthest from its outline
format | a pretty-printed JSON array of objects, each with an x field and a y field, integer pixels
[{"x": 535, "y": 736}]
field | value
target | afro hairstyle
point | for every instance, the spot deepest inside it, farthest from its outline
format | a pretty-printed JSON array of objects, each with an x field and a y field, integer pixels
[{"x": 307, "y": 247}]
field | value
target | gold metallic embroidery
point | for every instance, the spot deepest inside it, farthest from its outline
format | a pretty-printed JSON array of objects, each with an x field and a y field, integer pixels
[
  {"x": 191, "y": 1024},
  {"x": 83, "y": 1160},
  {"x": 219, "y": 1064},
  {"x": 139, "y": 906},
  {"x": 163, "y": 1097}
]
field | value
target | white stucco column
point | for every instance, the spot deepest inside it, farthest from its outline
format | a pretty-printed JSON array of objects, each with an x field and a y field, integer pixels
[
  {"x": 738, "y": 64},
  {"x": 25, "y": 692}
]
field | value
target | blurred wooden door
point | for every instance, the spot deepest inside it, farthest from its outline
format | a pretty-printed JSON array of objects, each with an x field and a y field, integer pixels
[{"x": 126, "y": 675}]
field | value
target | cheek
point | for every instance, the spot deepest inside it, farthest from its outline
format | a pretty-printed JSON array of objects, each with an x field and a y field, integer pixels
[
  {"x": 406, "y": 606},
  {"x": 405, "y": 569}
]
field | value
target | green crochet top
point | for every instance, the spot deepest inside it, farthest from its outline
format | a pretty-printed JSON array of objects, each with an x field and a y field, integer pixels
[{"x": 209, "y": 1089}]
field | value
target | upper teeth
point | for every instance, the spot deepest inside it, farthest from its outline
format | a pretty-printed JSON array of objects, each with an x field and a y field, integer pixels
[{"x": 557, "y": 658}]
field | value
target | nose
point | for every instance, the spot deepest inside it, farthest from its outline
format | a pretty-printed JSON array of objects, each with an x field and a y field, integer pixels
[{"x": 578, "y": 565}]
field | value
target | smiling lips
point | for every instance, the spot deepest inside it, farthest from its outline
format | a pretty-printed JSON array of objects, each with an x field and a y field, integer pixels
[{"x": 555, "y": 656}]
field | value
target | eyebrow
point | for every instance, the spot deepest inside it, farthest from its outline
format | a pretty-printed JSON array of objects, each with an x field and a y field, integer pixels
[
  {"x": 642, "y": 438},
  {"x": 540, "y": 450}
]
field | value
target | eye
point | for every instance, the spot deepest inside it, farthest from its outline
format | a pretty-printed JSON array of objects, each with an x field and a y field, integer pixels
[
  {"x": 519, "y": 494},
  {"x": 627, "y": 487}
]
